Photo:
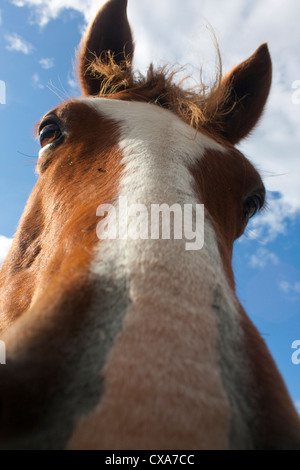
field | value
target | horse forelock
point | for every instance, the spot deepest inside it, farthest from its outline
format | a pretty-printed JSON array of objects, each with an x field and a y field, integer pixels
[{"x": 201, "y": 106}]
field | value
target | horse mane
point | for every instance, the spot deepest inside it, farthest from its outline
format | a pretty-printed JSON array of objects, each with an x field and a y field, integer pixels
[{"x": 199, "y": 106}]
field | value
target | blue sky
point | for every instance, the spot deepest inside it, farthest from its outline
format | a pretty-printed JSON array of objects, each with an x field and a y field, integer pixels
[{"x": 37, "y": 43}]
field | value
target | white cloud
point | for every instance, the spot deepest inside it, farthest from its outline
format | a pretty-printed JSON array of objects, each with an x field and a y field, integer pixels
[
  {"x": 290, "y": 288},
  {"x": 17, "y": 43},
  {"x": 47, "y": 63},
  {"x": 298, "y": 406},
  {"x": 5, "y": 244},
  {"x": 45, "y": 10},
  {"x": 285, "y": 286},
  {"x": 262, "y": 258},
  {"x": 36, "y": 81},
  {"x": 74, "y": 86},
  {"x": 176, "y": 32},
  {"x": 72, "y": 83},
  {"x": 272, "y": 222}
]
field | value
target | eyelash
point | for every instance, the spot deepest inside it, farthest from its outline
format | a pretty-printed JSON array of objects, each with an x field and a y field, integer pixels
[
  {"x": 252, "y": 206},
  {"x": 50, "y": 132}
]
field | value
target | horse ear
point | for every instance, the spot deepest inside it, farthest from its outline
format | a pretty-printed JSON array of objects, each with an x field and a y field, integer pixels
[
  {"x": 108, "y": 33},
  {"x": 246, "y": 89}
]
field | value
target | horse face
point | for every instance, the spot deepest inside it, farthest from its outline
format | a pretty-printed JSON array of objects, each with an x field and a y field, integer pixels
[
  {"x": 81, "y": 143},
  {"x": 129, "y": 343}
]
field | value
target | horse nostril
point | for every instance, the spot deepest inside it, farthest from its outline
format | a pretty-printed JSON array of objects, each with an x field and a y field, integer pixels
[
  {"x": 14, "y": 399},
  {"x": 13, "y": 407},
  {"x": 25, "y": 397}
]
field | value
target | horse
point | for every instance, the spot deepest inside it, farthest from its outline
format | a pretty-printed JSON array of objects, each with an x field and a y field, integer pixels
[{"x": 132, "y": 342}]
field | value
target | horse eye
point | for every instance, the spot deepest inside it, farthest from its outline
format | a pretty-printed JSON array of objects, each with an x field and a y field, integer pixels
[
  {"x": 49, "y": 133},
  {"x": 251, "y": 206}
]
